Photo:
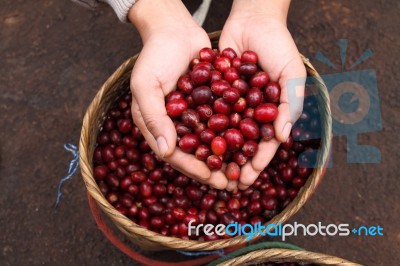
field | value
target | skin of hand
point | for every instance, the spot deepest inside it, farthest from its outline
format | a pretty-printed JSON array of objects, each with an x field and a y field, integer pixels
[
  {"x": 260, "y": 26},
  {"x": 171, "y": 38}
]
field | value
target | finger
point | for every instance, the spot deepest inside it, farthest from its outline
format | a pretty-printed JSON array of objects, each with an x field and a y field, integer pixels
[
  {"x": 283, "y": 123},
  {"x": 183, "y": 162},
  {"x": 232, "y": 185},
  {"x": 242, "y": 187},
  {"x": 190, "y": 166},
  {"x": 218, "y": 180},
  {"x": 226, "y": 41},
  {"x": 150, "y": 100},
  {"x": 139, "y": 122},
  {"x": 265, "y": 153},
  {"x": 247, "y": 176},
  {"x": 251, "y": 170},
  {"x": 292, "y": 82}
]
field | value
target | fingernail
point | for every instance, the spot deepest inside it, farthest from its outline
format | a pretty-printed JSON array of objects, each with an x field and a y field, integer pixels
[
  {"x": 162, "y": 146},
  {"x": 286, "y": 131}
]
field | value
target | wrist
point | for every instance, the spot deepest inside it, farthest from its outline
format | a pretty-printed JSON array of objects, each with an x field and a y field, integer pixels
[
  {"x": 276, "y": 10},
  {"x": 150, "y": 16}
]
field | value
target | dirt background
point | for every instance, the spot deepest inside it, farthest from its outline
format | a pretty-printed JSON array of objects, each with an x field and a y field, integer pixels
[{"x": 54, "y": 56}]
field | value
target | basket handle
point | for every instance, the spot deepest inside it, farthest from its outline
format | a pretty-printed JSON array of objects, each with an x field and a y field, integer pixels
[{"x": 250, "y": 248}]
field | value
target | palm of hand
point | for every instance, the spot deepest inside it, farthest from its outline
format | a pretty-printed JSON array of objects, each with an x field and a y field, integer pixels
[
  {"x": 279, "y": 57},
  {"x": 163, "y": 60},
  {"x": 270, "y": 40}
]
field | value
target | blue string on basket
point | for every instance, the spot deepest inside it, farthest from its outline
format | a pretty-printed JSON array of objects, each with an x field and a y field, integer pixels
[
  {"x": 73, "y": 167},
  {"x": 219, "y": 252}
]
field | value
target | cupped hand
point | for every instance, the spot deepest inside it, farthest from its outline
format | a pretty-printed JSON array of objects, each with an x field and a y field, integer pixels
[
  {"x": 266, "y": 34},
  {"x": 168, "y": 49}
]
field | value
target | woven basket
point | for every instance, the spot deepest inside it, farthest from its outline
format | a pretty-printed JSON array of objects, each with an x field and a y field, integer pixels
[
  {"x": 147, "y": 239},
  {"x": 286, "y": 255}
]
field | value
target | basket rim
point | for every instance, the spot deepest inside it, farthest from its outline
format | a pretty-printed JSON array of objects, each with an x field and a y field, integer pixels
[
  {"x": 287, "y": 255},
  {"x": 130, "y": 228}
]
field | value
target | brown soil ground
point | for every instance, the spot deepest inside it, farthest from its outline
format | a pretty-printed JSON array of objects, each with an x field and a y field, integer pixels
[{"x": 54, "y": 57}]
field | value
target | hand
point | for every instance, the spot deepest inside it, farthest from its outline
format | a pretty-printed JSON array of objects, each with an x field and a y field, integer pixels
[
  {"x": 171, "y": 39},
  {"x": 260, "y": 26}
]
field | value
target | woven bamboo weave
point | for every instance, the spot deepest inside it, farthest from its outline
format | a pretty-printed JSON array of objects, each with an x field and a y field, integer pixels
[{"x": 286, "y": 255}]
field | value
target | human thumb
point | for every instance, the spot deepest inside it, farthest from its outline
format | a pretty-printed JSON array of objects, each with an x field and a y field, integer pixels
[
  {"x": 292, "y": 83},
  {"x": 152, "y": 108}
]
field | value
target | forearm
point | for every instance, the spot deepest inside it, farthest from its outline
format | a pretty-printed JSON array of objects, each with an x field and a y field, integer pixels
[
  {"x": 150, "y": 16},
  {"x": 277, "y": 9}
]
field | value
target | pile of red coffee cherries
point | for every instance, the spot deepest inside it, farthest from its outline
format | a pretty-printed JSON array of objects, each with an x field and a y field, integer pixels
[
  {"x": 154, "y": 195},
  {"x": 223, "y": 107}
]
